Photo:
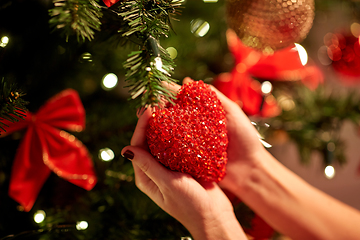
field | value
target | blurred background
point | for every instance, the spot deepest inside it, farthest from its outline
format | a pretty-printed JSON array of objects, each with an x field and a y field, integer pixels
[{"x": 308, "y": 112}]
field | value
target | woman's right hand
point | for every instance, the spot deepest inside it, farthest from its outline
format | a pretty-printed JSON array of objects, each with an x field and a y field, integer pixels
[{"x": 244, "y": 149}]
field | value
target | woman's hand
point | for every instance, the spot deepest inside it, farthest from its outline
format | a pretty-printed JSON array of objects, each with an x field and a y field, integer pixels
[{"x": 200, "y": 206}]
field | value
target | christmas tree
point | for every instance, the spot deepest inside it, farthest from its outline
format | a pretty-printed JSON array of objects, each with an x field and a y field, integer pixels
[{"x": 115, "y": 54}]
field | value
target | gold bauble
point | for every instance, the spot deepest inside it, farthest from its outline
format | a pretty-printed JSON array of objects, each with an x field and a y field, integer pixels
[{"x": 269, "y": 25}]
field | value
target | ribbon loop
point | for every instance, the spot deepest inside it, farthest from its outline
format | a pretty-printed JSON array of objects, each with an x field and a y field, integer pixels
[{"x": 46, "y": 148}]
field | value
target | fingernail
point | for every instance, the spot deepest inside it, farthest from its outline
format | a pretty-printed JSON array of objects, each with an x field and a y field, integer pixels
[{"x": 128, "y": 154}]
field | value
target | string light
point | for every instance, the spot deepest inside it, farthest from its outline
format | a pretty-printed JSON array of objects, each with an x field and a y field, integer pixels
[
  {"x": 266, "y": 87},
  {"x": 4, "y": 41},
  {"x": 106, "y": 154},
  {"x": 82, "y": 225},
  {"x": 329, "y": 172},
  {"x": 85, "y": 57},
  {"x": 39, "y": 216},
  {"x": 109, "y": 81},
  {"x": 199, "y": 27}
]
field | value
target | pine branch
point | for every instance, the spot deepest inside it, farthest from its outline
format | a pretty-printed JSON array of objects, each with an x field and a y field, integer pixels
[
  {"x": 148, "y": 20},
  {"x": 143, "y": 22},
  {"x": 324, "y": 114},
  {"x": 81, "y": 17},
  {"x": 12, "y": 106}
]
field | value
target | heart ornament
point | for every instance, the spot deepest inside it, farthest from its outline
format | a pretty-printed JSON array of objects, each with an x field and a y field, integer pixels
[{"x": 191, "y": 136}]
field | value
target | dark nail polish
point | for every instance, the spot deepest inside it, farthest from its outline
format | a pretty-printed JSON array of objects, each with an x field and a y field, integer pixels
[{"x": 128, "y": 154}]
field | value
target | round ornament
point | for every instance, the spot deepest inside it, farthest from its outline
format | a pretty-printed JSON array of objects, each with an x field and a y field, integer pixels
[{"x": 269, "y": 25}]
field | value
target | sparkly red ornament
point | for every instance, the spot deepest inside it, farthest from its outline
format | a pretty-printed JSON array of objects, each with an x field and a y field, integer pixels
[
  {"x": 191, "y": 136},
  {"x": 270, "y": 25}
]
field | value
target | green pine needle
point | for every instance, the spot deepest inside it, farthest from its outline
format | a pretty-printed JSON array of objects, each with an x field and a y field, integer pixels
[
  {"x": 81, "y": 17},
  {"x": 12, "y": 106}
]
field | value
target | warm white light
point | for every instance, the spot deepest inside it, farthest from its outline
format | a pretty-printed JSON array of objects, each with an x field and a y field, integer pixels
[
  {"x": 266, "y": 87},
  {"x": 109, "y": 81},
  {"x": 199, "y": 27},
  {"x": 106, "y": 154},
  {"x": 172, "y": 52},
  {"x": 329, "y": 172},
  {"x": 355, "y": 29},
  {"x": 4, "y": 41},
  {"x": 82, "y": 225},
  {"x": 39, "y": 216},
  {"x": 159, "y": 65},
  {"x": 302, "y": 54}
]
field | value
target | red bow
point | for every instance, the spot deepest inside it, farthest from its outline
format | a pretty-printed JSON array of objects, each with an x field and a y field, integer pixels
[
  {"x": 283, "y": 65},
  {"x": 45, "y": 148}
]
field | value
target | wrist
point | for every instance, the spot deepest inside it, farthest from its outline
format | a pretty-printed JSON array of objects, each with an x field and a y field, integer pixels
[
  {"x": 242, "y": 172},
  {"x": 223, "y": 226}
]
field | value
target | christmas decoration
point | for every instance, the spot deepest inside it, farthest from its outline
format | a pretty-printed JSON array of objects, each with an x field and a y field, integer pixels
[
  {"x": 344, "y": 51},
  {"x": 242, "y": 87},
  {"x": 45, "y": 148},
  {"x": 109, "y": 3},
  {"x": 270, "y": 25},
  {"x": 190, "y": 136},
  {"x": 42, "y": 62}
]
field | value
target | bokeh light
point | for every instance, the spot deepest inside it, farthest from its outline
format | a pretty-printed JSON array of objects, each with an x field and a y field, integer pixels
[
  {"x": 39, "y": 216},
  {"x": 106, "y": 154},
  {"x": 4, "y": 41},
  {"x": 266, "y": 87},
  {"x": 302, "y": 54},
  {"x": 199, "y": 27},
  {"x": 109, "y": 81},
  {"x": 82, "y": 225},
  {"x": 355, "y": 29},
  {"x": 329, "y": 172},
  {"x": 172, "y": 52}
]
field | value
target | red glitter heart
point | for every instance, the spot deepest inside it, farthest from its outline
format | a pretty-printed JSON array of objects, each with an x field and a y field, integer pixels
[{"x": 191, "y": 135}]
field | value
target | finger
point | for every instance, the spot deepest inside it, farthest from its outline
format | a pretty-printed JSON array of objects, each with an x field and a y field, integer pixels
[
  {"x": 139, "y": 137},
  {"x": 148, "y": 165},
  {"x": 187, "y": 80},
  {"x": 171, "y": 86},
  {"x": 146, "y": 185}
]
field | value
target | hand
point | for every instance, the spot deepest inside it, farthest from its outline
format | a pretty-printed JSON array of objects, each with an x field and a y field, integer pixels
[
  {"x": 200, "y": 206},
  {"x": 244, "y": 149}
]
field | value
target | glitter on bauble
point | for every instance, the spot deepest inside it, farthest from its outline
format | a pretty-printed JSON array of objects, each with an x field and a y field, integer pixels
[
  {"x": 270, "y": 25},
  {"x": 191, "y": 136}
]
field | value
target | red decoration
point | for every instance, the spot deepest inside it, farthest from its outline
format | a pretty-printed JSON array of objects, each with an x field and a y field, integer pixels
[
  {"x": 344, "y": 51},
  {"x": 283, "y": 65},
  {"x": 191, "y": 136},
  {"x": 109, "y": 3},
  {"x": 45, "y": 148}
]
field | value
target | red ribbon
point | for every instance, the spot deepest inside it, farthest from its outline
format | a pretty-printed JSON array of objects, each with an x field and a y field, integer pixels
[
  {"x": 283, "y": 65},
  {"x": 46, "y": 148}
]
